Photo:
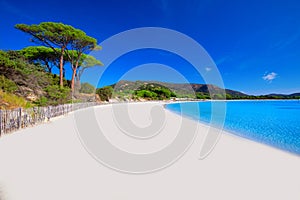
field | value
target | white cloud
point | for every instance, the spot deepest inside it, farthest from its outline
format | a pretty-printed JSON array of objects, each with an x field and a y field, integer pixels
[
  {"x": 208, "y": 69},
  {"x": 270, "y": 76}
]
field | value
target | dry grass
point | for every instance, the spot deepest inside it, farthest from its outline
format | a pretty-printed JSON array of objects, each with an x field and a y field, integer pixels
[{"x": 10, "y": 101}]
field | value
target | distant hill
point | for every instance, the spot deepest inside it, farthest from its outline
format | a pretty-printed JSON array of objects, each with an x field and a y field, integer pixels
[
  {"x": 282, "y": 96},
  {"x": 182, "y": 90},
  {"x": 297, "y": 95},
  {"x": 202, "y": 88},
  {"x": 126, "y": 89}
]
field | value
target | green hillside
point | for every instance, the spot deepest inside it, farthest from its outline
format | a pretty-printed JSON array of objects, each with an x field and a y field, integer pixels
[
  {"x": 23, "y": 83},
  {"x": 137, "y": 90}
]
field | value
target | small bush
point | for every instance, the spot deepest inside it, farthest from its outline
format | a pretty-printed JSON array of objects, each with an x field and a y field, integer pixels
[
  {"x": 7, "y": 85},
  {"x": 43, "y": 101},
  {"x": 146, "y": 94},
  {"x": 57, "y": 94},
  {"x": 154, "y": 91},
  {"x": 105, "y": 93}
]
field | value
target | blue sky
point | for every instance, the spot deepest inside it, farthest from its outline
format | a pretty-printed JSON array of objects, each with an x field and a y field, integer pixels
[{"x": 255, "y": 44}]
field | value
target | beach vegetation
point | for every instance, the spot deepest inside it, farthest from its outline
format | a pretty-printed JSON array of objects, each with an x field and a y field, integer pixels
[
  {"x": 28, "y": 73},
  {"x": 7, "y": 85},
  {"x": 10, "y": 101},
  {"x": 53, "y": 35},
  {"x": 154, "y": 91},
  {"x": 200, "y": 95},
  {"x": 40, "y": 55},
  {"x": 105, "y": 93},
  {"x": 57, "y": 95},
  {"x": 64, "y": 40}
]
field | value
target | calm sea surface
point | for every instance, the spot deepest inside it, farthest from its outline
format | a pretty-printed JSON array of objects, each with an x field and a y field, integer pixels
[{"x": 275, "y": 123}]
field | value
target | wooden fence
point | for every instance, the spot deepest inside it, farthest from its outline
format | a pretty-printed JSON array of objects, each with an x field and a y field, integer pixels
[{"x": 12, "y": 120}]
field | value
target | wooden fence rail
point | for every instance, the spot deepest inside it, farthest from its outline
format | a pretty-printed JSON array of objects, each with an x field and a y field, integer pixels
[{"x": 12, "y": 120}]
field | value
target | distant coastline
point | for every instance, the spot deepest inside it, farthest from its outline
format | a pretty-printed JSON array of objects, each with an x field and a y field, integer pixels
[{"x": 154, "y": 90}]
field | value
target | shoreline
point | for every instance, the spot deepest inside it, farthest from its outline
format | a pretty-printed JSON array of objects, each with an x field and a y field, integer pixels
[
  {"x": 164, "y": 104},
  {"x": 237, "y": 133}
]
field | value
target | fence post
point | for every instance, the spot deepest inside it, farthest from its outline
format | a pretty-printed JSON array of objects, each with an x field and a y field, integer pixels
[
  {"x": 48, "y": 113},
  {"x": 1, "y": 122},
  {"x": 20, "y": 118},
  {"x": 35, "y": 114}
]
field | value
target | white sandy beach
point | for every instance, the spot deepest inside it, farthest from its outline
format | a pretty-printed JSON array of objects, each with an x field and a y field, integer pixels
[{"x": 49, "y": 162}]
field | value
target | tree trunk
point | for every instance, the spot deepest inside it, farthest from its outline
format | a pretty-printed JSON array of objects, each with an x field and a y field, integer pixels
[
  {"x": 74, "y": 68},
  {"x": 73, "y": 80},
  {"x": 77, "y": 81},
  {"x": 61, "y": 66}
]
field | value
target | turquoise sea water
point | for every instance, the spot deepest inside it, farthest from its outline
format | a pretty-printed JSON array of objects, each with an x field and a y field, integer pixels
[{"x": 275, "y": 123}]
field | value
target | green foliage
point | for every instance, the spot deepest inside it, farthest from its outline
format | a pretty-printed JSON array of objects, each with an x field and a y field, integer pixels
[
  {"x": 54, "y": 79},
  {"x": 72, "y": 44},
  {"x": 42, "y": 55},
  {"x": 4, "y": 59},
  {"x": 57, "y": 94},
  {"x": 16, "y": 61},
  {"x": 218, "y": 96},
  {"x": 146, "y": 94},
  {"x": 51, "y": 34},
  {"x": 85, "y": 62},
  {"x": 89, "y": 61},
  {"x": 154, "y": 91},
  {"x": 37, "y": 52},
  {"x": 43, "y": 101},
  {"x": 228, "y": 96},
  {"x": 105, "y": 93},
  {"x": 16, "y": 71},
  {"x": 10, "y": 61},
  {"x": 87, "y": 88},
  {"x": 80, "y": 45},
  {"x": 200, "y": 95},
  {"x": 59, "y": 35},
  {"x": 7, "y": 85},
  {"x": 27, "y": 67}
]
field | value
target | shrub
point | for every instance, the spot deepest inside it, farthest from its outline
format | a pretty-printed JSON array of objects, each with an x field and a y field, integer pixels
[
  {"x": 57, "y": 94},
  {"x": 43, "y": 101},
  {"x": 105, "y": 93},
  {"x": 146, "y": 94},
  {"x": 154, "y": 91},
  {"x": 7, "y": 85}
]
